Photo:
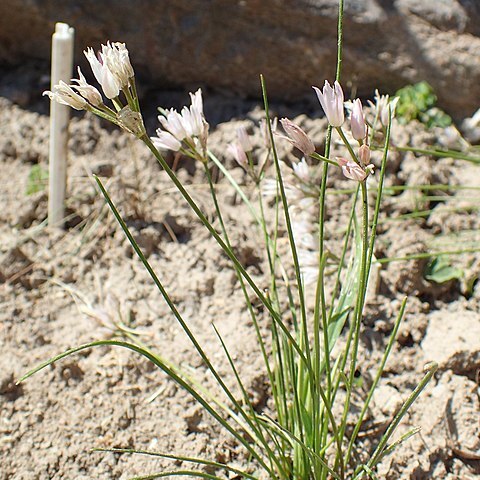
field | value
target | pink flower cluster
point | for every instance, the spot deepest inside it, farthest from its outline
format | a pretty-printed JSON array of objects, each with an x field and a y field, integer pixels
[{"x": 187, "y": 130}]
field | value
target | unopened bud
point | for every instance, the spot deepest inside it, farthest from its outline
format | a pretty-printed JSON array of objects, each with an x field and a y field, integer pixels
[
  {"x": 357, "y": 122},
  {"x": 297, "y": 137},
  {"x": 364, "y": 155}
]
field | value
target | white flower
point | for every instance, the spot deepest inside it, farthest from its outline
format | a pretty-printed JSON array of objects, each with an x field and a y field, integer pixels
[
  {"x": 197, "y": 102},
  {"x": 331, "y": 100},
  {"x": 357, "y": 121},
  {"x": 115, "y": 56},
  {"x": 166, "y": 141},
  {"x": 87, "y": 91},
  {"x": 302, "y": 170},
  {"x": 382, "y": 102},
  {"x": 108, "y": 82},
  {"x": 64, "y": 94},
  {"x": 173, "y": 122},
  {"x": 188, "y": 126},
  {"x": 193, "y": 119}
]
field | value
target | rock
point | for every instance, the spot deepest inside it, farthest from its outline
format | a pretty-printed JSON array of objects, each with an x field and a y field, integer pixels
[
  {"x": 452, "y": 340},
  {"x": 471, "y": 127},
  {"x": 226, "y": 44},
  {"x": 193, "y": 418},
  {"x": 8, "y": 388},
  {"x": 16, "y": 267}
]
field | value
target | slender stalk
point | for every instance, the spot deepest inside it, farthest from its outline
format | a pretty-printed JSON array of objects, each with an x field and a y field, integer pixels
[
  {"x": 430, "y": 370},
  {"x": 179, "y": 318},
  {"x": 156, "y": 360},
  {"x": 256, "y": 427},
  {"x": 366, "y": 404},
  {"x": 343, "y": 254},
  {"x": 223, "y": 245},
  {"x": 439, "y": 153},
  {"x": 293, "y": 248},
  {"x": 322, "y": 209},
  {"x": 358, "y": 315},
  {"x": 376, "y": 212},
  {"x": 179, "y": 458},
  {"x": 418, "y": 256},
  {"x": 347, "y": 144}
]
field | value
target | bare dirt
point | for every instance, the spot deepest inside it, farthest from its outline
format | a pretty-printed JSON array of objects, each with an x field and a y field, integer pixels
[{"x": 52, "y": 278}]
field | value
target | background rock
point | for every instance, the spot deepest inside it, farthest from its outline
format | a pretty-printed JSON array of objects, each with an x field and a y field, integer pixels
[{"x": 225, "y": 44}]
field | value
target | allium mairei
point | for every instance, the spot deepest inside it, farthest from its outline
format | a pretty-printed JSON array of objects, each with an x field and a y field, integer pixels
[
  {"x": 104, "y": 76},
  {"x": 357, "y": 121},
  {"x": 87, "y": 91},
  {"x": 297, "y": 137},
  {"x": 244, "y": 139},
  {"x": 188, "y": 128},
  {"x": 115, "y": 56},
  {"x": 331, "y": 99},
  {"x": 64, "y": 94},
  {"x": 382, "y": 105},
  {"x": 238, "y": 153},
  {"x": 113, "y": 71},
  {"x": 364, "y": 155},
  {"x": 301, "y": 170},
  {"x": 353, "y": 170},
  {"x": 166, "y": 141}
]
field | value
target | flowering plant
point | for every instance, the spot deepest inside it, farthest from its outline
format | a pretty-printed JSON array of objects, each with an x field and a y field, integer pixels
[{"x": 309, "y": 432}]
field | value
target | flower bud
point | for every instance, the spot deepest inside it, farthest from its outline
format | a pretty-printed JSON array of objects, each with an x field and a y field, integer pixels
[
  {"x": 357, "y": 121},
  {"x": 364, "y": 155},
  {"x": 297, "y": 137}
]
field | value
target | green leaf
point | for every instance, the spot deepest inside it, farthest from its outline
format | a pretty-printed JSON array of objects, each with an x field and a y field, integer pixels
[
  {"x": 37, "y": 180},
  {"x": 417, "y": 102},
  {"x": 439, "y": 270}
]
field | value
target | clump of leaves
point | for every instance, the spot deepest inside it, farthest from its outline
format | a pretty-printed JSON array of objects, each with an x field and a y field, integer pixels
[
  {"x": 440, "y": 270},
  {"x": 37, "y": 180},
  {"x": 417, "y": 102}
]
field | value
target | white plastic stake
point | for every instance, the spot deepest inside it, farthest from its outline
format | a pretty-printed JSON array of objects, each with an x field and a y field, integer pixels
[{"x": 62, "y": 66}]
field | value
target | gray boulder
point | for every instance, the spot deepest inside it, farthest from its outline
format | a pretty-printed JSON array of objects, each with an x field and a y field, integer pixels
[{"x": 226, "y": 44}]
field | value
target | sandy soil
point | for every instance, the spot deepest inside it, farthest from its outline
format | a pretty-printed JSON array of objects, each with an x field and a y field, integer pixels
[{"x": 102, "y": 397}]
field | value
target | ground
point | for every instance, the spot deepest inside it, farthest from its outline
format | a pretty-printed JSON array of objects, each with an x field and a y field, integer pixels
[{"x": 64, "y": 287}]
